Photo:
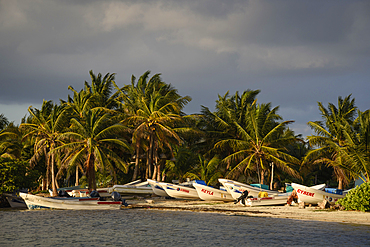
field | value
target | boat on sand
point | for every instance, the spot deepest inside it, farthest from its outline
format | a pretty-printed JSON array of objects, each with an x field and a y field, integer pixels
[
  {"x": 157, "y": 188},
  {"x": 15, "y": 201},
  {"x": 78, "y": 203},
  {"x": 312, "y": 195},
  {"x": 142, "y": 189},
  {"x": 267, "y": 201},
  {"x": 208, "y": 193},
  {"x": 180, "y": 191},
  {"x": 237, "y": 188}
]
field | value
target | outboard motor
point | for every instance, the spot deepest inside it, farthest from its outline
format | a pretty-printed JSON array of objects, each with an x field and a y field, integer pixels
[
  {"x": 63, "y": 193},
  {"x": 94, "y": 193},
  {"x": 243, "y": 197},
  {"x": 116, "y": 196}
]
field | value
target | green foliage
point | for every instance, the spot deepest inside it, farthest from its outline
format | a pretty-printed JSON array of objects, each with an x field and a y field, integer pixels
[
  {"x": 15, "y": 174},
  {"x": 357, "y": 199}
]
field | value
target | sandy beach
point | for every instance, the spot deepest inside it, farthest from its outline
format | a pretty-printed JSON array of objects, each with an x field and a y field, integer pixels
[{"x": 293, "y": 212}]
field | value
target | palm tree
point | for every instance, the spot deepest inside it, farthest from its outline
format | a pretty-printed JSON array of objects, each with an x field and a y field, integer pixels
[
  {"x": 98, "y": 94},
  {"x": 94, "y": 141},
  {"x": 207, "y": 170},
  {"x": 153, "y": 109},
  {"x": 101, "y": 89},
  {"x": 156, "y": 119},
  {"x": 3, "y": 122},
  {"x": 80, "y": 102},
  {"x": 259, "y": 141},
  {"x": 181, "y": 165},
  {"x": 11, "y": 141},
  {"x": 358, "y": 146},
  {"x": 330, "y": 138},
  {"x": 46, "y": 127},
  {"x": 219, "y": 125}
]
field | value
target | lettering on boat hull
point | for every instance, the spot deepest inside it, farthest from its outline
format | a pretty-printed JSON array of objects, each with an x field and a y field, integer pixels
[
  {"x": 207, "y": 192},
  {"x": 306, "y": 193}
]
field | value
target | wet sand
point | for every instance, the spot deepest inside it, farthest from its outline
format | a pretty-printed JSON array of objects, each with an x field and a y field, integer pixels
[{"x": 293, "y": 212}]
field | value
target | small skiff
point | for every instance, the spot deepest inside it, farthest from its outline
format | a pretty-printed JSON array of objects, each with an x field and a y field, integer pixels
[
  {"x": 313, "y": 195},
  {"x": 208, "y": 193},
  {"x": 137, "y": 189},
  {"x": 180, "y": 191},
  {"x": 86, "y": 203},
  {"x": 267, "y": 201},
  {"x": 236, "y": 189},
  {"x": 157, "y": 188},
  {"x": 15, "y": 201}
]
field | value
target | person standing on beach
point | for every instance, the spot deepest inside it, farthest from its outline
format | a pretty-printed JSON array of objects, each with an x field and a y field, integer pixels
[{"x": 292, "y": 197}]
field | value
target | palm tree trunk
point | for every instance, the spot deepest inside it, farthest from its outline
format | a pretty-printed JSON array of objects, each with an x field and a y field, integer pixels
[
  {"x": 47, "y": 168},
  {"x": 151, "y": 151},
  {"x": 154, "y": 172},
  {"x": 55, "y": 193},
  {"x": 272, "y": 176},
  {"x": 148, "y": 172},
  {"x": 159, "y": 172},
  {"x": 76, "y": 183},
  {"x": 262, "y": 176},
  {"x": 340, "y": 183},
  {"x": 91, "y": 173},
  {"x": 44, "y": 182},
  {"x": 136, "y": 161}
]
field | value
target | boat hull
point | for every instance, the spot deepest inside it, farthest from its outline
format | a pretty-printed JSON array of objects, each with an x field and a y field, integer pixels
[
  {"x": 157, "y": 188},
  {"x": 15, "y": 201},
  {"x": 39, "y": 202},
  {"x": 131, "y": 190},
  {"x": 267, "y": 201},
  {"x": 179, "y": 192},
  {"x": 311, "y": 195},
  {"x": 208, "y": 193},
  {"x": 236, "y": 189}
]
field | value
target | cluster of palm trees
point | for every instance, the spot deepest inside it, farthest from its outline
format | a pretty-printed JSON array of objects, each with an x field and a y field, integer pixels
[
  {"x": 138, "y": 131},
  {"x": 342, "y": 141}
]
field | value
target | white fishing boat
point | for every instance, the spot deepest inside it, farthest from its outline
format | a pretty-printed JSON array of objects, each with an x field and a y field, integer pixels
[
  {"x": 208, "y": 193},
  {"x": 267, "y": 201},
  {"x": 312, "y": 195},
  {"x": 15, "y": 201},
  {"x": 83, "y": 191},
  {"x": 85, "y": 203},
  {"x": 142, "y": 189},
  {"x": 180, "y": 191},
  {"x": 237, "y": 188},
  {"x": 157, "y": 188}
]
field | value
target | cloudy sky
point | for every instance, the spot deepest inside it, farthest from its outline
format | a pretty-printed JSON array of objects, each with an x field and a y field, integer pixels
[{"x": 296, "y": 52}]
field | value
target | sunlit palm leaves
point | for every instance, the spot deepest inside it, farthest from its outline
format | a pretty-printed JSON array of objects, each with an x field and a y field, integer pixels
[
  {"x": 94, "y": 141},
  {"x": 330, "y": 137},
  {"x": 46, "y": 126},
  {"x": 259, "y": 141},
  {"x": 153, "y": 109}
]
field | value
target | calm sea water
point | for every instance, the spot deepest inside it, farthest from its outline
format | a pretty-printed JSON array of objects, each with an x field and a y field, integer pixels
[{"x": 138, "y": 227}]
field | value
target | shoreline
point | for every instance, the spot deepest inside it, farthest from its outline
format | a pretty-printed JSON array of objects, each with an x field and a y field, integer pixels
[{"x": 229, "y": 208}]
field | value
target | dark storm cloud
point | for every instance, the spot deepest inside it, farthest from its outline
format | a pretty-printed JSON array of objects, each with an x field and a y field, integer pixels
[{"x": 295, "y": 52}]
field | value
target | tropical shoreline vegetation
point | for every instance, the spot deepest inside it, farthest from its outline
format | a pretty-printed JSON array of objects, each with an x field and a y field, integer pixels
[{"x": 105, "y": 134}]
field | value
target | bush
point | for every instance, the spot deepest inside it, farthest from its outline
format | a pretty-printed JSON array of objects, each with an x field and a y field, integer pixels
[
  {"x": 357, "y": 198},
  {"x": 16, "y": 174}
]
